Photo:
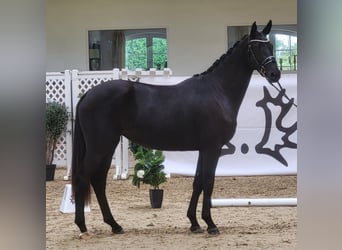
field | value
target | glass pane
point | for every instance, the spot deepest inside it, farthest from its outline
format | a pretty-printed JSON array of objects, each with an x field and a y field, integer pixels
[
  {"x": 282, "y": 42},
  {"x": 284, "y": 60},
  {"x": 159, "y": 53},
  {"x": 136, "y": 54},
  {"x": 286, "y": 51},
  {"x": 294, "y": 45}
]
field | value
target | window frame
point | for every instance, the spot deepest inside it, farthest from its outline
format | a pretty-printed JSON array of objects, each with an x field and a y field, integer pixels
[
  {"x": 149, "y": 34},
  {"x": 289, "y": 34},
  {"x": 130, "y": 34}
]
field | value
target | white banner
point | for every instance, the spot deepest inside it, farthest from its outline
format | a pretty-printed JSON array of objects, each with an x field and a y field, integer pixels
[{"x": 265, "y": 142}]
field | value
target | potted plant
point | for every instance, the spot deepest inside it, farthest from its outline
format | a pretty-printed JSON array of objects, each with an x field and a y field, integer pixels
[
  {"x": 149, "y": 170},
  {"x": 56, "y": 122}
]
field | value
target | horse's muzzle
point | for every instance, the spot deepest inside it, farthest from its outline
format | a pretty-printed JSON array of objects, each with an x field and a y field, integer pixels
[{"x": 273, "y": 74}]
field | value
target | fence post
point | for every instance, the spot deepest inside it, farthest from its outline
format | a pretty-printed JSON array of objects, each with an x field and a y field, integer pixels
[
  {"x": 68, "y": 103},
  {"x": 121, "y": 151},
  {"x": 152, "y": 72},
  {"x": 138, "y": 73},
  {"x": 118, "y": 161},
  {"x": 124, "y": 74},
  {"x": 75, "y": 90},
  {"x": 167, "y": 72},
  {"x": 71, "y": 95},
  {"x": 124, "y": 171},
  {"x": 121, "y": 159},
  {"x": 116, "y": 74}
]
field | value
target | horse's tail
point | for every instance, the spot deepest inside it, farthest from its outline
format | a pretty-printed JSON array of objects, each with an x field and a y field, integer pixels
[{"x": 80, "y": 182}]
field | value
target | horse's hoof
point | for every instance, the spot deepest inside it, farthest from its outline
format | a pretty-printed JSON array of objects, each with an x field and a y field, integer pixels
[
  {"x": 84, "y": 236},
  {"x": 196, "y": 230},
  {"x": 213, "y": 231},
  {"x": 118, "y": 230}
]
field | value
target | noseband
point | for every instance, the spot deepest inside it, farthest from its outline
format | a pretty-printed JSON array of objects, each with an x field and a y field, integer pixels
[{"x": 260, "y": 65}]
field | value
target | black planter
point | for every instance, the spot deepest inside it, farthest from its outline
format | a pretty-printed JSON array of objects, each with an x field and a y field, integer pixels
[
  {"x": 156, "y": 197},
  {"x": 50, "y": 172}
]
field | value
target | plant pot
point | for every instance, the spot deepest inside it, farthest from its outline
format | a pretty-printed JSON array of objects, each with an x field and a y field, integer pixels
[
  {"x": 156, "y": 197},
  {"x": 50, "y": 172}
]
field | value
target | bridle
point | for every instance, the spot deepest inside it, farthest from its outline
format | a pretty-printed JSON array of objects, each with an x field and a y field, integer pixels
[{"x": 261, "y": 65}]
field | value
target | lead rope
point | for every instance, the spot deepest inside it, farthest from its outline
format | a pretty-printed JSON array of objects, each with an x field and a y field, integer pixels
[{"x": 281, "y": 88}]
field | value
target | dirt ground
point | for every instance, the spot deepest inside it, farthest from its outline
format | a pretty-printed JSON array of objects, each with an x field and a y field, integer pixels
[{"x": 168, "y": 227}]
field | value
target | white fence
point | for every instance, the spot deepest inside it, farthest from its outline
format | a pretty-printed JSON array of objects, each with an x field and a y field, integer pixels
[{"x": 66, "y": 88}]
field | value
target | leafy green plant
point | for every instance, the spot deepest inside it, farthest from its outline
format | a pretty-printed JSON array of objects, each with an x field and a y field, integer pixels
[
  {"x": 149, "y": 168},
  {"x": 56, "y": 122}
]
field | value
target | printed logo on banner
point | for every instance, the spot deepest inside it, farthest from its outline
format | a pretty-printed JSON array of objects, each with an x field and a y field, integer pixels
[{"x": 261, "y": 147}]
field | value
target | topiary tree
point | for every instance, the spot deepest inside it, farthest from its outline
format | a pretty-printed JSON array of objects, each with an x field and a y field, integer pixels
[{"x": 56, "y": 122}]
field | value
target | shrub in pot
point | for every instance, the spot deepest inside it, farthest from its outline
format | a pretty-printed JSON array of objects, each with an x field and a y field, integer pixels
[
  {"x": 55, "y": 125},
  {"x": 149, "y": 170}
]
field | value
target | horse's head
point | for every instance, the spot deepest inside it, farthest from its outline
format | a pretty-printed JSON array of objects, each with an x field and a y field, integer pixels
[{"x": 260, "y": 53}]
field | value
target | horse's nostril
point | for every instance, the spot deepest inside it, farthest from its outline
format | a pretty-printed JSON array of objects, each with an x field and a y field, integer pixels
[{"x": 273, "y": 75}]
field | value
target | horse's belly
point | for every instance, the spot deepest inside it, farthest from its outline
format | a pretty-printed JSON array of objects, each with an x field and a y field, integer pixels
[
  {"x": 165, "y": 139},
  {"x": 179, "y": 139}
]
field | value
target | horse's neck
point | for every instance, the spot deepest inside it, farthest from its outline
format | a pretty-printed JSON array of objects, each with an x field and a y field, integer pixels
[{"x": 233, "y": 76}]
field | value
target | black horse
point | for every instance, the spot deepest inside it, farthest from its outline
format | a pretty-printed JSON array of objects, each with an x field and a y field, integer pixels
[{"x": 199, "y": 113}]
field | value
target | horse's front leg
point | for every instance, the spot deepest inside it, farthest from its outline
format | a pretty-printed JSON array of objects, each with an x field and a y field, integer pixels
[
  {"x": 197, "y": 190},
  {"x": 210, "y": 160}
]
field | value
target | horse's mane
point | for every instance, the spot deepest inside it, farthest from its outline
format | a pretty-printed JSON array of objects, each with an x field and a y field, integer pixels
[{"x": 218, "y": 61}]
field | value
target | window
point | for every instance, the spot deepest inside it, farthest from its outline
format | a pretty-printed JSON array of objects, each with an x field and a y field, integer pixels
[
  {"x": 285, "y": 50},
  {"x": 131, "y": 49},
  {"x": 283, "y": 37}
]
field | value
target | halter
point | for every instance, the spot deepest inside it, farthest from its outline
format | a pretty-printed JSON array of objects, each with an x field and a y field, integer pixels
[{"x": 260, "y": 66}]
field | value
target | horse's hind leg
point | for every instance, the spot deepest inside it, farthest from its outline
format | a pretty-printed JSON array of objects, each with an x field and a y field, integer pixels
[
  {"x": 79, "y": 198},
  {"x": 81, "y": 188},
  {"x": 98, "y": 181},
  {"x": 95, "y": 168}
]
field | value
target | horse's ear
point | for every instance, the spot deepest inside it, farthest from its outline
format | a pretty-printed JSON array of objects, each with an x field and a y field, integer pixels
[
  {"x": 267, "y": 29},
  {"x": 253, "y": 29}
]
